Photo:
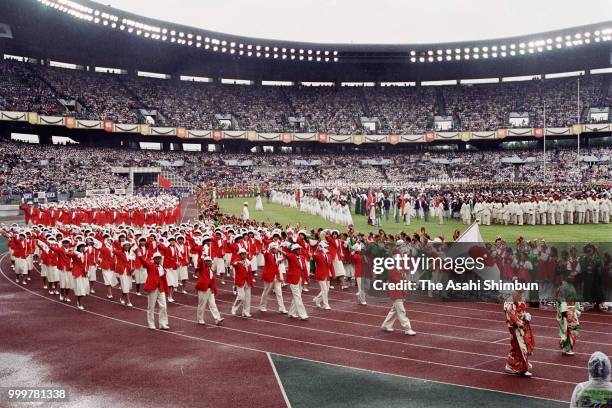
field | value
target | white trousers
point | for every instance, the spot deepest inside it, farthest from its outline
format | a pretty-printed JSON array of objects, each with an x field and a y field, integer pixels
[
  {"x": 207, "y": 298},
  {"x": 297, "y": 306},
  {"x": 323, "y": 296},
  {"x": 268, "y": 287},
  {"x": 160, "y": 298},
  {"x": 243, "y": 299},
  {"x": 361, "y": 290},
  {"x": 397, "y": 312}
]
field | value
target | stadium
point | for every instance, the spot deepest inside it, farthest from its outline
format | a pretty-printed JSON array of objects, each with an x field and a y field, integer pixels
[{"x": 194, "y": 198}]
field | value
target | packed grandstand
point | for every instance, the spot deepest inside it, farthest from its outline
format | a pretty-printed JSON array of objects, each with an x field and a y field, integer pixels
[{"x": 30, "y": 87}]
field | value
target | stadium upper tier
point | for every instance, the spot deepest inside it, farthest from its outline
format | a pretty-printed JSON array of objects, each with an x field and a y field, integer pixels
[
  {"x": 32, "y": 168},
  {"x": 409, "y": 110}
]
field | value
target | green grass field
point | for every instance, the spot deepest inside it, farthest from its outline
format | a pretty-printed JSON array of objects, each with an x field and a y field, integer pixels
[{"x": 552, "y": 233}]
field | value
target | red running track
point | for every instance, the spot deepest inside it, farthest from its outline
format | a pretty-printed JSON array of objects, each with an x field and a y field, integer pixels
[{"x": 458, "y": 343}]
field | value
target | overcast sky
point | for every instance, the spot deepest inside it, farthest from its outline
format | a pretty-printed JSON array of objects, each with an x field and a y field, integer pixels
[{"x": 375, "y": 21}]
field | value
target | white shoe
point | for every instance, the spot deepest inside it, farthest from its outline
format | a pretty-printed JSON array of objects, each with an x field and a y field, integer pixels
[
  {"x": 61, "y": 297},
  {"x": 202, "y": 322},
  {"x": 67, "y": 300},
  {"x": 389, "y": 329},
  {"x": 92, "y": 291},
  {"x": 29, "y": 278},
  {"x": 130, "y": 304},
  {"x": 509, "y": 370},
  {"x": 527, "y": 374},
  {"x": 184, "y": 291},
  {"x": 233, "y": 313},
  {"x": 51, "y": 292},
  {"x": 363, "y": 303},
  {"x": 305, "y": 290},
  {"x": 122, "y": 301},
  {"x": 152, "y": 327},
  {"x": 410, "y": 332},
  {"x": 171, "y": 300},
  {"x": 45, "y": 287},
  {"x": 263, "y": 309},
  {"x": 283, "y": 312},
  {"x": 164, "y": 327},
  {"x": 218, "y": 322},
  {"x": 247, "y": 315},
  {"x": 327, "y": 308},
  {"x": 81, "y": 307},
  {"x": 568, "y": 353}
]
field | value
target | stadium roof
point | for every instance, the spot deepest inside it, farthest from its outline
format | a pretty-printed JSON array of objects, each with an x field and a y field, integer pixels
[
  {"x": 87, "y": 33},
  {"x": 362, "y": 22}
]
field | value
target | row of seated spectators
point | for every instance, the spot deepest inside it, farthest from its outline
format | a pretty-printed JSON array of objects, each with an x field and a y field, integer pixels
[
  {"x": 336, "y": 110},
  {"x": 32, "y": 167}
]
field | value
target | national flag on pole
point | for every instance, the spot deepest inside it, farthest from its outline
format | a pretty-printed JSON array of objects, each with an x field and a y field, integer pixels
[
  {"x": 478, "y": 249},
  {"x": 370, "y": 201},
  {"x": 163, "y": 182}
]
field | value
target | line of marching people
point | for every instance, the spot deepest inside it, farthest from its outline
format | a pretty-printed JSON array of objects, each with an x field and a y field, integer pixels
[
  {"x": 136, "y": 210},
  {"x": 157, "y": 260}
]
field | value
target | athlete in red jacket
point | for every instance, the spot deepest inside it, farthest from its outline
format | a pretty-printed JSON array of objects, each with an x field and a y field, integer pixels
[{"x": 207, "y": 290}]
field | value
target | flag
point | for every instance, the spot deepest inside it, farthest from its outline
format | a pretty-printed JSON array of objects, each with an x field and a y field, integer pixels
[
  {"x": 298, "y": 195},
  {"x": 402, "y": 204},
  {"x": 163, "y": 182},
  {"x": 370, "y": 201},
  {"x": 478, "y": 249}
]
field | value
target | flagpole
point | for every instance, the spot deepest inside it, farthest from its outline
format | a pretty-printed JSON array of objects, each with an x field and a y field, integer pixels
[
  {"x": 578, "y": 117},
  {"x": 544, "y": 158}
]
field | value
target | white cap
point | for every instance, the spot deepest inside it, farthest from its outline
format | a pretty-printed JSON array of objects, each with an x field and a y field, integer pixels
[
  {"x": 208, "y": 258},
  {"x": 273, "y": 245},
  {"x": 295, "y": 246},
  {"x": 157, "y": 255}
]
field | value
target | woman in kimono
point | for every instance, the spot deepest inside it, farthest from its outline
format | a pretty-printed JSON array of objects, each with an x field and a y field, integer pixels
[
  {"x": 522, "y": 342},
  {"x": 568, "y": 312}
]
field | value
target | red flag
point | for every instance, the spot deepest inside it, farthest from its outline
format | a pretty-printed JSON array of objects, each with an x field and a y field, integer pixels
[
  {"x": 370, "y": 201},
  {"x": 298, "y": 195},
  {"x": 163, "y": 182},
  {"x": 402, "y": 203}
]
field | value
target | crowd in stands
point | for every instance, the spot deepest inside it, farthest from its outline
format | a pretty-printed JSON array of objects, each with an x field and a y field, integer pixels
[
  {"x": 334, "y": 110},
  {"x": 33, "y": 167}
]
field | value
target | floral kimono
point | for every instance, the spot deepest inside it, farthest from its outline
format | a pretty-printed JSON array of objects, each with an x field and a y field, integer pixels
[
  {"x": 522, "y": 342},
  {"x": 568, "y": 312}
]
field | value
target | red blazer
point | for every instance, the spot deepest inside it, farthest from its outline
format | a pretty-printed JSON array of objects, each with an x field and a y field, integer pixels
[
  {"x": 206, "y": 278},
  {"x": 296, "y": 269},
  {"x": 270, "y": 269},
  {"x": 243, "y": 274},
  {"x": 19, "y": 247},
  {"x": 356, "y": 261},
  {"x": 79, "y": 265},
  {"x": 63, "y": 260},
  {"x": 154, "y": 281},
  {"x": 323, "y": 269},
  {"x": 170, "y": 255},
  {"x": 123, "y": 266},
  {"x": 106, "y": 259}
]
